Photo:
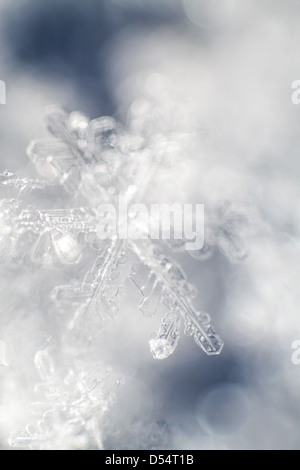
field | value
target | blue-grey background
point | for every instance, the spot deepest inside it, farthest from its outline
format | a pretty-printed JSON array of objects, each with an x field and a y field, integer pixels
[{"x": 229, "y": 67}]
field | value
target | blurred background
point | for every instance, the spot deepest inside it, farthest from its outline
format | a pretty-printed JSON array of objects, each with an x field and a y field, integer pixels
[{"x": 223, "y": 69}]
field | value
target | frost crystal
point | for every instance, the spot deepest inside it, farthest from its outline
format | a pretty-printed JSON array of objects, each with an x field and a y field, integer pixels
[
  {"x": 93, "y": 163},
  {"x": 70, "y": 407}
]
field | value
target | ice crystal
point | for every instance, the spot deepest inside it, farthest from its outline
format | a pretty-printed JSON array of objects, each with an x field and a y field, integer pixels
[
  {"x": 94, "y": 162},
  {"x": 3, "y": 358},
  {"x": 70, "y": 405}
]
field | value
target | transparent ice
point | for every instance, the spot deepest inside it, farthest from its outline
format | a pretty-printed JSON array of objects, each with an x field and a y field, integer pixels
[{"x": 94, "y": 162}]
